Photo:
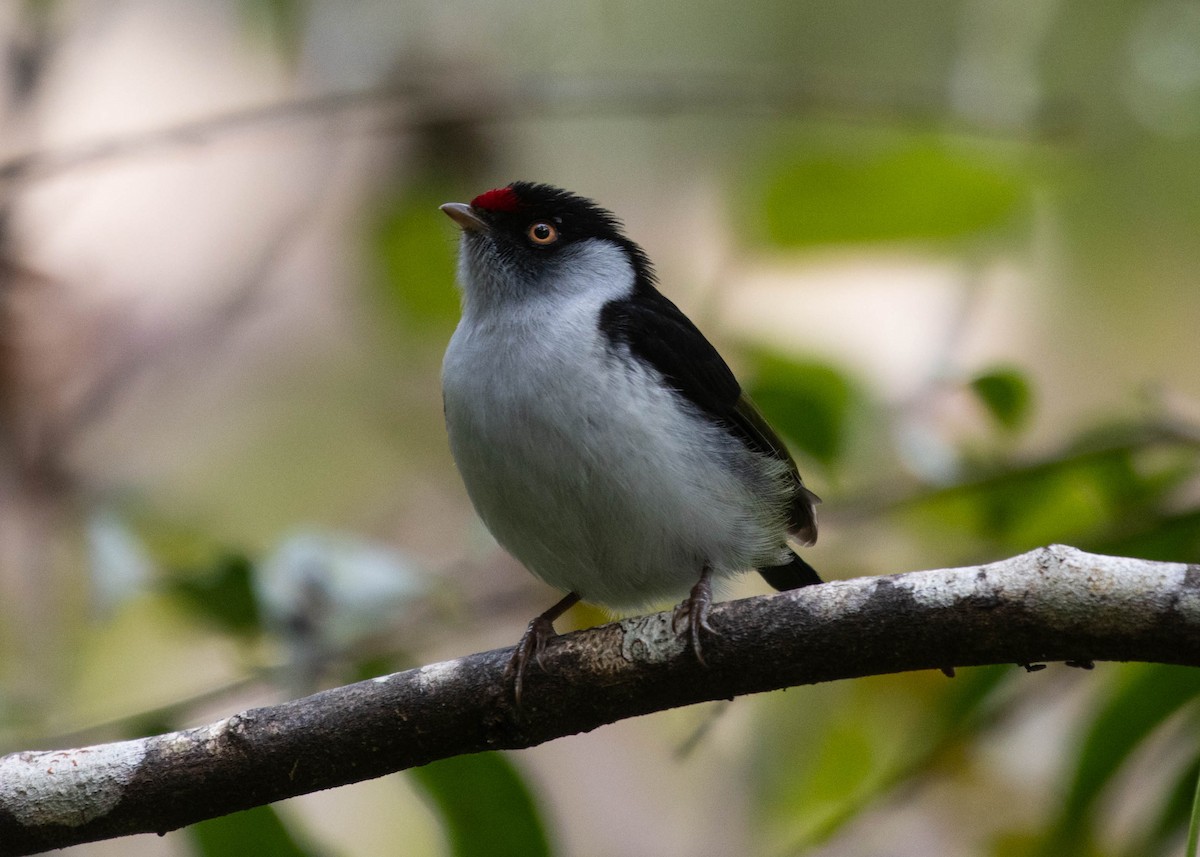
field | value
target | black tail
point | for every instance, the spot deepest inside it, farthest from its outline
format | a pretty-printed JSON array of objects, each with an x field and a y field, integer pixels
[{"x": 795, "y": 574}]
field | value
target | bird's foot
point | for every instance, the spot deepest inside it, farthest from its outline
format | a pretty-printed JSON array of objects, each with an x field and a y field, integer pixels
[
  {"x": 533, "y": 643},
  {"x": 530, "y": 648},
  {"x": 692, "y": 614}
]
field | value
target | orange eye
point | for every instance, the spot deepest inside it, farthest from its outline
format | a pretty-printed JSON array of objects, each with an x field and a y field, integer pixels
[{"x": 542, "y": 233}]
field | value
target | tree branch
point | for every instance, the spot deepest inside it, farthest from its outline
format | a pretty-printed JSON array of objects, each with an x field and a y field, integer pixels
[
  {"x": 426, "y": 100},
  {"x": 1051, "y": 604}
]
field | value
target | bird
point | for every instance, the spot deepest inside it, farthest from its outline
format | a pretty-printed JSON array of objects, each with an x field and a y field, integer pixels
[{"x": 602, "y": 439}]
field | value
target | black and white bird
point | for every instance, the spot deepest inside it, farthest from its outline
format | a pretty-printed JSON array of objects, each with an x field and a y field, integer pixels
[{"x": 602, "y": 439}]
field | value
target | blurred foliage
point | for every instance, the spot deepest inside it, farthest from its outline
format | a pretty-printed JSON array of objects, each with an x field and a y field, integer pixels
[
  {"x": 856, "y": 751},
  {"x": 884, "y": 187},
  {"x": 1116, "y": 491},
  {"x": 485, "y": 806},
  {"x": 1175, "y": 806},
  {"x": 222, "y": 593},
  {"x": 1115, "y": 495},
  {"x": 811, "y": 404},
  {"x": 258, "y": 831},
  {"x": 416, "y": 250},
  {"x": 1007, "y": 396},
  {"x": 1136, "y": 706},
  {"x": 1124, "y": 489},
  {"x": 280, "y": 22}
]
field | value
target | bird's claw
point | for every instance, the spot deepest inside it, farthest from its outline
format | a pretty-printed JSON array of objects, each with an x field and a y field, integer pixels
[
  {"x": 692, "y": 614},
  {"x": 530, "y": 647},
  {"x": 533, "y": 643}
]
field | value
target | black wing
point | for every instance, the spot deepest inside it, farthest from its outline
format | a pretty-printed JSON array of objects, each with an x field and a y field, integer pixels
[
  {"x": 656, "y": 330},
  {"x": 802, "y": 515}
]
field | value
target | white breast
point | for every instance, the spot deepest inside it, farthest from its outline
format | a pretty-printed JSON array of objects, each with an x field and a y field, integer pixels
[{"x": 584, "y": 466}]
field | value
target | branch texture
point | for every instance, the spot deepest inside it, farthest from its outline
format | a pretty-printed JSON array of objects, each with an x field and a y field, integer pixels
[{"x": 1051, "y": 604}]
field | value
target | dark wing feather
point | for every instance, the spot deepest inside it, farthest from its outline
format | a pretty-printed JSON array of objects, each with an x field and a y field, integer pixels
[
  {"x": 656, "y": 330},
  {"x": 802, "y": 515},
  {"x": 792, "y": 575}
]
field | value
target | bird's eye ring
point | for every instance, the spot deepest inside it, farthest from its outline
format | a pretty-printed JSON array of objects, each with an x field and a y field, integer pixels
[{"x": 542, "y": 233}]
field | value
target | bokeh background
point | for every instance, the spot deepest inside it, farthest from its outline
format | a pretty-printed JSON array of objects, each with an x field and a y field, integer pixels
[{"x": 950, "y": 247}]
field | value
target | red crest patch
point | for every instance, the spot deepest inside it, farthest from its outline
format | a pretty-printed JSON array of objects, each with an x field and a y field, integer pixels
[{"x": 500, "y": 199}]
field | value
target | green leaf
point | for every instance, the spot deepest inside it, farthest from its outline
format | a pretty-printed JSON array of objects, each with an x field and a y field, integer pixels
[
  {"x": 1170, "y": 538},
  {"x": 1106, "y": 500},
  {"x": 485, "y": 806},
  {"x": 379, "y": 664},
  {"x": 257, "y": 831},
  {"x": 972, "y": 692},
  {"x": 859, "y": 743},
  {"x": 223, "y": 594},
  {"x": 416, "y": 247},
  {"x": 1174, "y": 811},
  {"x": 1007, "y": 396},
  {"x": 811, "y": 781},
  {"x": 1193, "y": 834},
  {"x": 281, "y": 22},
  {"x": 1151, "y": 694},
  {"x": 905, "y": 188},
  {"x": 809, "y": 403}
]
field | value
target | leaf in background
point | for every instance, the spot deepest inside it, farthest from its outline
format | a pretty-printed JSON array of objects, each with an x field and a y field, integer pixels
[
  {"x": 810, "y": 779},
  {"x": 257, "y": 831},
  {"x": 222, "y": 593},
  {"x": 1106, "y": 500},
  {"x": 1174, "y": 812},
  {"x": 485, "y": 806},
  {"x": 1066, "y": 503},
  {"x": 1007, "y": 396},
  {"x": 280, "y": 21},
  {"x": 835, "y": 751},
  {"x": 809, "y": 403},
  {"x": 1011, "y": 843},
  {"x": 911, "y": 188},
  {"x": 1138, "y": 706},
  {"x": 1193, "y": 833},
  {"x": 416, "y": 247},
  {"x": 1170, "y": 538},
  {"x": 969, "y": 696},
  {"x": 376, "y": 665}
]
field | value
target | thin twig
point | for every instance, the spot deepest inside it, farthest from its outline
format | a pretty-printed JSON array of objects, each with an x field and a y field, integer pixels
[{"x": 430, "y": 100}]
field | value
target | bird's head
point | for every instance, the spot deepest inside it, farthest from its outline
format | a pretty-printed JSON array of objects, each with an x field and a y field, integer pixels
[{"x": 527, "y": 240}]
